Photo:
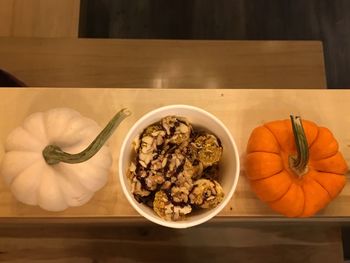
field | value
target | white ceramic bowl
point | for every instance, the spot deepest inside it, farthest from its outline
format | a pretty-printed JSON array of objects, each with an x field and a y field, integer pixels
[{"x": 229, "y": 163}]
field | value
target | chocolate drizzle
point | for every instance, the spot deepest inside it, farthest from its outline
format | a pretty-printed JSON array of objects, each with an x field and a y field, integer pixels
[{"x": 174, "y": 166}]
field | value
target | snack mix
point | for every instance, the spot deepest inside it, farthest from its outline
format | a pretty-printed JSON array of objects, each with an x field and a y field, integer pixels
[{"x": 176, "y": 167}]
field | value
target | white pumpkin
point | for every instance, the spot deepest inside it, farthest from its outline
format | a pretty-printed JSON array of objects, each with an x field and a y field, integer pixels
[{"x": 57, "y": 186}]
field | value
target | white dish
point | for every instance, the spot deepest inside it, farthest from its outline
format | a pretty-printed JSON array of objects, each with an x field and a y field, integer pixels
[{"x": 229, "y": 164}]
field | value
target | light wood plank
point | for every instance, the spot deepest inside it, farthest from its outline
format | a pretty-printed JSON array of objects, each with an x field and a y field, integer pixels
[
  {"x": 240, "y": 110},
  {"x": 86, "y": 243},
  {"x": 39, "y": 18},
  {"x": 164, "y": 63}
]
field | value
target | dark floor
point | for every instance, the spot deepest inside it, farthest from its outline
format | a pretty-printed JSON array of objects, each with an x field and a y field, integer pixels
[{"x": 326, "y": 20}]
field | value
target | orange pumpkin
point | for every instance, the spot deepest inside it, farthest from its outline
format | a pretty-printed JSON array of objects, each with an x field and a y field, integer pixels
[{"x": 295, "y": 166}]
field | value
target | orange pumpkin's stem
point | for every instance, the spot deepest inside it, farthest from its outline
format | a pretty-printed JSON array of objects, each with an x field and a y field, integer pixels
[{"x": 299, "y": 163}]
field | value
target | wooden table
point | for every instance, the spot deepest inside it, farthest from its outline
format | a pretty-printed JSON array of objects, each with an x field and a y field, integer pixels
[
  {"x": 47, "y": 62},
  {"x": 93, "y": 232},
  {"x": 240, "y": 110},
  {"x": 248, "y": 231}
]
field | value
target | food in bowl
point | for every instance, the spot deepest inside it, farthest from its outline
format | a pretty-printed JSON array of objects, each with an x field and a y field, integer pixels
[{"x": 175, "y": 169}]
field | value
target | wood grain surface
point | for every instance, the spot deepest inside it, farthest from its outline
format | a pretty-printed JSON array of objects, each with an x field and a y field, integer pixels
[
  {"x": 164, "y": 63},
  {"x": 240, "y": 111},
  {"x": 106, "y": 243},
  {"x": 39, "y": 18}
]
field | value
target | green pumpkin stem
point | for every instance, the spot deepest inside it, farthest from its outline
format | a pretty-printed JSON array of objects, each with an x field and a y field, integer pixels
[
  {"x": 299, "y": 162},
  {"x": 54, "y": 154}
]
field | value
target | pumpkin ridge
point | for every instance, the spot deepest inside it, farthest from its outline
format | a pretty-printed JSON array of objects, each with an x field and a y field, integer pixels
[
  {"x": 21, "y": 171},
  {"x": 333, "y": 154},
  {"x": 282, "y": 195},
  {"x": 255, "y": 180},
  {"x": 37, "y": 192},
  {"x": 268, "y": 193},
  {"x": 333, "y": 140},
  {"x": 274, "y": 135},
  {"x": 329, "y": 173},
  {"x": 262, "y": 134},
  {"x": 24, "y": 174},
  {"x": 330, "y": 197},
  {"x": 82, "y": 198},
  {"x": 11, "y": 183},
  {"x": 17, "y": 132},
  {"x": 88, "y": 123},
  {"x": 269, "y": 175},
  {"x": 81, "y": 180},
  {"x": 320, "y": 171},
  {"x": 60, "y": 186},
  {"x": 41, "y": 114},
  {"x": 304, "y": 199},
  {"x": 329, "y": 200},
  {"x": 316, "y": 138},
  {"x": 264, "y": 152},
  {"x": 45, "y": 120},
  {"x": 42, "y": 195},
  {"x": 70, "y": 176},
  {"x": 34, "y": 135}
]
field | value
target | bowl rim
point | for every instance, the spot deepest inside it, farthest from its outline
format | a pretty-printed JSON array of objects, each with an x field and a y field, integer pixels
[{"x": 124, "y": 183}]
